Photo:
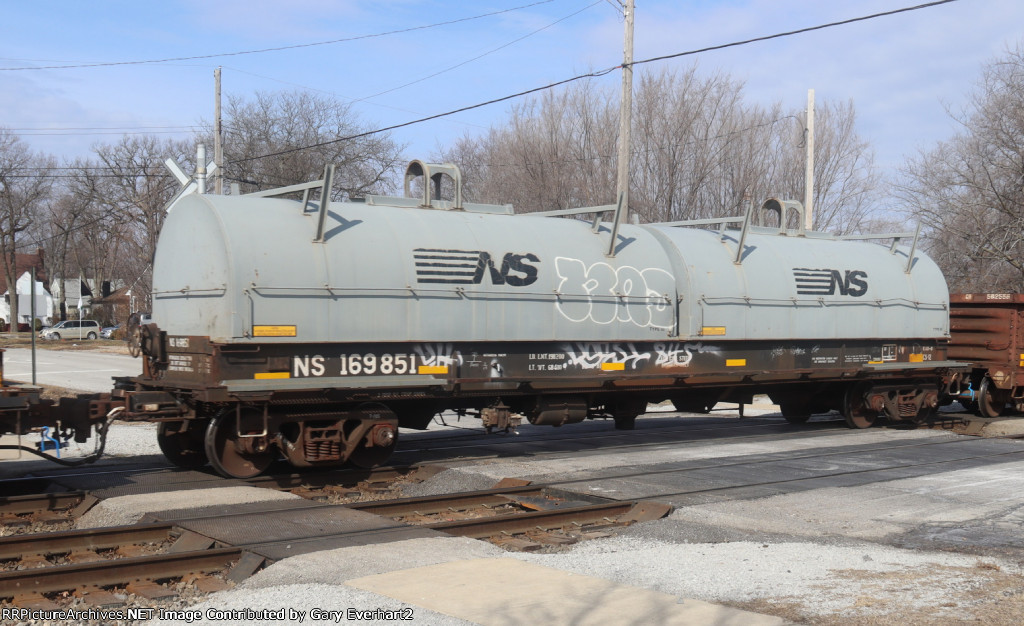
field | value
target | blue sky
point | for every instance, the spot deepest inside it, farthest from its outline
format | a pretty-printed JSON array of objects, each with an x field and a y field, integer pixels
[{"x": 901, "y": 72}]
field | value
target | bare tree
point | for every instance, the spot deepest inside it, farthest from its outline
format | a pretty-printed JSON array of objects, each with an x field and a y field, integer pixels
[
  {"x": 699, "y": 150},
  {"x": 65, "y": 209},
  {"x": 551, "y": 153},
  {"x": 24, "y": 183},
  {"x": 127, "y": 208},
  {"x": 969, "y": 190},
  {"x": 286, "y": 138}
]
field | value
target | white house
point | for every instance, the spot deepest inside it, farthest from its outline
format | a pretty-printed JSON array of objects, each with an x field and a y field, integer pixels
[{"x": 23, "y": 288}]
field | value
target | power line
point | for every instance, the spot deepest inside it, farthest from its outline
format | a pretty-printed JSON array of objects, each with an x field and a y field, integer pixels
[
  {"x": 438, "y": 73},
  {"x": 480, "y": 56},
  {"x": 278, "y": 48},
  {"x": 595, "y": 75},
  {"x": 795, "y": 32},
  {"x": 430, "y": 117}
]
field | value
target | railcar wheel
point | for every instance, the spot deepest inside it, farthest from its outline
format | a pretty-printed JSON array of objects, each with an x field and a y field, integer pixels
[
  {"x": 183, "y": 448},
  {"x": 795, "y": 412},
  {"x": 385, "y": 439},
  {"x": 233, "y": 456},
  {"x": 991, "y": 402},
  {"x": 857, "y": 413}
]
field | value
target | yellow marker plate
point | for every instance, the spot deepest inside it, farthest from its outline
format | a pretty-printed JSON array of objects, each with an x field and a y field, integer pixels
[
  {"x": 273, "y": 331},
  {"x": 433, "y": 369},
  {"x": 916, "y": 358}
]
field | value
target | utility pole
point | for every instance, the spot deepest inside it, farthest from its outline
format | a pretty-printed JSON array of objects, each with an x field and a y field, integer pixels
[
  {"x": 32, "y": 324},
  {"x": 201, "y": 167},
  {"x": 809, "y": 171},
  {"x": 218, "y": 152},
  {"x": 625, "y": 114}
]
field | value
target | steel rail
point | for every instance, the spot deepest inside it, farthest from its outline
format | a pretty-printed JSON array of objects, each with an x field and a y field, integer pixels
[
  {"x": 434, "y": 504},
  {"x": 17, "y": 546},
  {"x": 617, "y": 513},
  {"x": 39, "y": 502},
  {"x": 544, "y": 520},
  {"x": 115, "y": 572}
]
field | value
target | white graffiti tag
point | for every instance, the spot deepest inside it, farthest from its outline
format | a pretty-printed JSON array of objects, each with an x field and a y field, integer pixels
[
  {"x": 680, "y": 355},
  {"x": 437, "y": 354},
  {"x": 604, "y": 294},
  {"x": 672, "y": 354},
  {"x": 590, "y": 356}
]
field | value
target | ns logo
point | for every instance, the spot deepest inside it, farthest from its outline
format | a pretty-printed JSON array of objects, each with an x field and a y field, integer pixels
[
  {"x": 825, "y": 282},
  {"x": 470, "y": 267}
]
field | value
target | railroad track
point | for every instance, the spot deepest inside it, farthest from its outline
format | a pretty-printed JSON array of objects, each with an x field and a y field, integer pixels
[
  {"x": 154, "y": 561},
  {"x": 108, "y": 566},
  {"x": 521, "y": 518},
  {"x": 97, "y": 564},
  {"x": 33, "y": 512},
  {"x": 36, "y": 512},
  {"x": 468, "y": 446},
  {"x": 347, "y": 484},
  {"x": 28, "y": 511}
]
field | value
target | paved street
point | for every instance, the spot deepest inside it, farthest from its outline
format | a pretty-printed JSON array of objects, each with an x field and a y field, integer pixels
[{"x": 85, "y": 371}]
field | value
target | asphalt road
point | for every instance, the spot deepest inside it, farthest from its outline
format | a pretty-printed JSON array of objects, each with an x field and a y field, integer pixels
[{"x": 86, "y": 371}]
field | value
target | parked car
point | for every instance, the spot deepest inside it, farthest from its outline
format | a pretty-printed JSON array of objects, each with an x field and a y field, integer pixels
[
  {"x": 108, "y": 332},
  {"x": 73, "y": 329}
]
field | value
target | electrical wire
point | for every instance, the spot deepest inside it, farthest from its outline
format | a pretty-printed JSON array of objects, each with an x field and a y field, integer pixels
[
  {"x": 795, "y": 32},
  {"x": 277, "y": 48},
  {"x": 335, "y": 94},
  {"x": 598, "y": 74},
  {"x": 431, "y": 117},
  {"x": 480, "y": 56},
  {"x": 578, "y": 77}
]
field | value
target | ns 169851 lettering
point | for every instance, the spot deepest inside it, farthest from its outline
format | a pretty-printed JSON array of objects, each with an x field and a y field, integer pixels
[
  {"x": 368, "y": 364},
  {"x": 373, "y": 364}
]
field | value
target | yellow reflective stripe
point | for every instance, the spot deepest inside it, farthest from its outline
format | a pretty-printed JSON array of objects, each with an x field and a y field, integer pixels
[
  {"x": 274, "y": 331},
  {"x": 433, "y": 369},
  {"x": 735, "y": 362},
  {"x": 613, "y": 367},
  {"x": 268, "y": 375}
]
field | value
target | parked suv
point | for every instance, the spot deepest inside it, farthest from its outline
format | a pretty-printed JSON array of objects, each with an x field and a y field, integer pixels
[{"x": 73, "y": 329}]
